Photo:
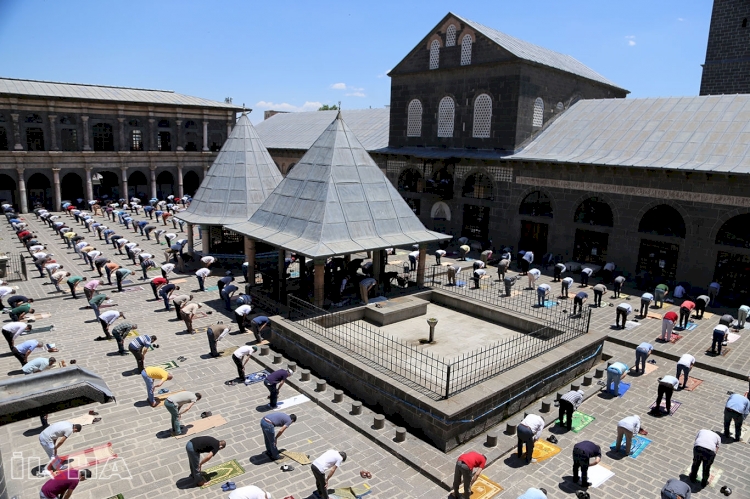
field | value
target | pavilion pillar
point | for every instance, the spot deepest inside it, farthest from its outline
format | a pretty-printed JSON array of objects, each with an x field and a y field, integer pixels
[
  {"x": 205, "y": 136},
  {"x": 89, "y": 185},
  {"x": 191, "y": 239},
  {"x": 124, "y": 175},
  {"x": 320, "y": 273},
  {"x": 22, "y": 191},
  {"x": 153, "y": 181},
  {"x": 377, "y": 266},
  {"x": 302, "y": 278},
  {"x": 58, "y": 194},
  {"x": 281, "y": 274},
  {"x": 421, "y": 265},
  {"x": 250, "y": 259},
  {"x": 205, "y": 239},
  {"x": 180, "y": 191}
]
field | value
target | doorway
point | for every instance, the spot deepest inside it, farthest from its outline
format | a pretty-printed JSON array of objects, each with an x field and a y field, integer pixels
[
  {"x": 659, "y": 259},
  {"x": 533, "y": 237},
  {"x": 732, "y": 271},
  {"x": 476, "y": 223},
  {"x": 590, "y": 246}
]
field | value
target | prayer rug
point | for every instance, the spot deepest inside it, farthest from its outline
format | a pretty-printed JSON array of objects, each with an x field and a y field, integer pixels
[
  {"x": 178, "y": 281},
  {"x": 84, "y": 458},
  {"x": 222, "y": 473},
  {"x": 604, "y": 304},
  {"x": 674, "y": 339},
  {"x": 631, "y": 324},
  {"x": 708, "y": 315},
  {"x": 675, "y": 405},
  {"x": 544, "y": 450},
  {"x": 84, "y": 420},
  {"x": 227, "y": 351},
  {"x": 40, "y": 329},
  {"x": 731, "y": 337},
  {"x": 118, "y": 496},
  {"x": 621, "y": 390},
  {"x": 202, "y": 425},
  {"x": 300, "y": 457},
  {"x": 622, "y": 296},
  {"x": 132, "y": 288},
  {"x": 212, "y": 288},
  {"x": 200, "y": 315},
  {"x": 650, "y": 368},
  {"x": 549, "y": 303},
  {"x": 690, "y": 327},
  {"x": 484, "y": 488},
  {"x": 599, "y": 474},
  {"x": 460, "y": 283},
  {"x": 353, "y": 492},
  {"x": 108, "y": 304},
  {"x": 132, "y": 334},
  {"x": 692, "y": 384},
  {"x": 253, "y": 378},
  {"x": 745, "y": 433},
  {"x": 296, "y": 400},
  {"x": 168, "y": 365},
  {"x": 713, "y": 478},
  {"x": 400, "y": 262},
  {"x": 580, "y": 421},
  {"x": 40, "y": 316},
  {"x": 653, "y": 315},
  {"x": 127, "y": 281},
  {"x": 638, "y": 445}
]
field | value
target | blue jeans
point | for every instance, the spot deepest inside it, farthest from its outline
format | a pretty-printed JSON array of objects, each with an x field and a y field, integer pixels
[
  {"x": 640, "y": 360},
  {"x": 274, "y": 393},
  {"x": 166, "y": 300},
  {"x": 149, "y": 387},
  {"x": 614, "y": 376},
  {"x": 269, "y": 437},
  {"x": 200, "y": 283},
  {"x": 174, "y": 411},
  {"x": 95, "y": 307},
  {"x": 540, "y": 297},
  {"x": 194, "y": 458}
]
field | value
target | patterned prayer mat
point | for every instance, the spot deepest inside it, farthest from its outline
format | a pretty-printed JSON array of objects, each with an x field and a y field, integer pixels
[
  {"x": 638, "y": 445},
  {"x": 353, "y": 492},
  {"x": 675, "y": 405},
  {"x": 168, "y": 365},
  {"x": 713, "y": 478},
  {"x": 251, "y": 379},
  {"x": 300, "y": 457},
  {"x": 580, "y": 421},
  {"x": 674, "y": 339},
  {"x": 222, "y": 472},
  {"x": 484, "y": 488},
  {"x": 692, "y": 384},
  {"x": 544, "y": 450},
  {"x": 84, "y": 458}
]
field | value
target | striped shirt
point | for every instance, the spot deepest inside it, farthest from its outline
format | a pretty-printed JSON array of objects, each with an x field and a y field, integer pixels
[
  {"x": 574, "y": 397},
  {"x": 143, "y": 341}
]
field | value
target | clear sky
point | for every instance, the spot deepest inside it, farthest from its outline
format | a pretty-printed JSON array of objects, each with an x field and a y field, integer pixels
[{"x": 298, "y": 55}]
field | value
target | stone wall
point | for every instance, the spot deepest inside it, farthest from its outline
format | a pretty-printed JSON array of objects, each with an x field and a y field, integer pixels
[{"x": 727, "y": 66}]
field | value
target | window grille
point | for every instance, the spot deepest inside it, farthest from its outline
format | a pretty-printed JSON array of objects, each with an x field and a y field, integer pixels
[
  {"x": 450, "y": 36},
  {"x": 466, "y": 50},
  {"x": 434, "y": 54},
  {"x": 538, "y": 119},
  {"x": 414, "y": 119},
  {"x": 482, "y": 116},
  {"x": 446, "y": 113},
  {"x": 136, "y": 143}
]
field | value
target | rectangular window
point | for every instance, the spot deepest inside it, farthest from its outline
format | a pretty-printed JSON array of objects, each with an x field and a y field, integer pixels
[
  {"x": 136, "y": 144},
  {"x": 69, "y": 139}
]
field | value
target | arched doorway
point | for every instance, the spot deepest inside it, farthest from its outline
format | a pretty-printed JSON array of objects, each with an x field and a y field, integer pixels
[
  {"x": 164, "y": 185},
  {"x": 7, "y": 189},
  {"x": 590, "y": 246},
  {"x": 108, "y": 184},
  {"x": 732, "y": 269},
  {"x": 138, "y": 186},
  {"x": 410, "y": 180},
  {"x": 657, "y": 258},
  {"x": 478, "y": 186},
  {"x": 71, "y": 187},
  {"x": 190, "y": 183},
  {"x": 534, "y": 233},
  {"x": 39, "y": 190}
]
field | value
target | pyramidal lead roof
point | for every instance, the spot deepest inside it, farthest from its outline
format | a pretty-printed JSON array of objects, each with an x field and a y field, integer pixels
[
  {"x": 336, "y": 201},
  {"x": 242, "y": 176}
]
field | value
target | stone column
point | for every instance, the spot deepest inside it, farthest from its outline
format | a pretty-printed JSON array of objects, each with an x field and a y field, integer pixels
[
  {"x": 22, "y": 191},
  {"x": 282, "y": 275},
  {"x": 320, "y": 273},
  {"x": 123, "y": 143},
  {"x": 250, "y": 259},
  {"x": 421, "y": 264},
  {"x": 58, "y": 194},
  {"x": 89, "y": 185},
  {"x": 85, "y": 123},
  {"x": 153, "y": 181},
  {"x": 229, "y": 128},
  {"x": 191, "y": 240},
  {"x": 377, "y": 266},
  {"x": 53, "y": 132},
  {"x": 16, "y": 133},
  {"x": 205, "y": 239},
  {"x": 180, "y": 192},
  {"x": 302, "y": 271},
  {"x": 152, "y": 134},
  {"x": 179, "y": 135},
  {"x": 124, "y": 176},
  {"x": 205, "y": 136}
]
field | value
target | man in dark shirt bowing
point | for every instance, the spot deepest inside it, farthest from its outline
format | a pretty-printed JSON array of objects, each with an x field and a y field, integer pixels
[{"x": 201, "y": 445}]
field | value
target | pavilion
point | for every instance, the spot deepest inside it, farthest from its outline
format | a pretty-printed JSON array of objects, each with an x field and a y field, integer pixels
[
  {"x": 336, "y": 202},
  {"x": 239, "y": 180}
]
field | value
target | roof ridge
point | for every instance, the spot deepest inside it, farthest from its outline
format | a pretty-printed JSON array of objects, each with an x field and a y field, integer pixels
[{"x": 87, "y": 84}]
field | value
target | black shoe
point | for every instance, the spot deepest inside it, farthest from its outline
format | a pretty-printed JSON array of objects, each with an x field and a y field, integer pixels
[
  {"x": 692, "y": 478},
  {"x": 704, "y": 483},
  {"x": 585, "y": 483}
]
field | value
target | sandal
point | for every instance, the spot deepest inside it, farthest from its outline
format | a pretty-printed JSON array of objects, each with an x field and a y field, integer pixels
[
  {"x": 93, "y": 413},
  {"x": 365, "y": 474},
  {"x": 96, "y": 420}
]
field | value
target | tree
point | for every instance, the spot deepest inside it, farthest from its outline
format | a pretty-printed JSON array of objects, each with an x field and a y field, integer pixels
[{"x": 326, "y": 107}]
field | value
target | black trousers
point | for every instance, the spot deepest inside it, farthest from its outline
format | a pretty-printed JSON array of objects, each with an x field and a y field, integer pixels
[
  {"x": 240, "y": 367},
  {"x": 580, "y": 461},
  {"x": 644, "y": 307},
  {"x": 566, "y": 411},
  {"x": 138, "y": 357},
  {"x": 21, "y": 357},
  {"x": 684, "y": 317},
  {"x": 525, "y": 437},
  {"x": 320, "y": 482},
  {"x": 700, "y": 308},
  {"x": 577, "y": 304},
  {"x": 705, "y": 457},
  {"x": 618, "y": 288},
  {"x": 664, "y": 390},
  {"x": 598, "y": 298}
]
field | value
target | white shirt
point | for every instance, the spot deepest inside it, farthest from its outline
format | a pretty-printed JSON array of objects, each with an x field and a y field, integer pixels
[
  {"x": 543, "y": 287},
  {"x": 328, "y": 460},
  {"x": 242, "y": 351},
  {"x": 248, "y": 492},
  {"x": 94, "y": 254},
  {"x": 480, "y": 272},
  {"x": 145, "y": 256},
  {"x": 708, "y": 440},
  {"x": 625, "y": 306},
  {"x": 528, "y": 256},
  {"x": 57, "y": 430},
  {"x": 414, "y": 254},
  {"x": 535, "y": 423},
  {"x": 52, "y": 266},
  {"x": 82, "y": 244},
  {"x": 535, "y": 272},
  {"x": 440, "y": 252},
  {"x": 721, "y": 328},
  {"x": 631, "y": 423},
  {"x": 686, "y": 360},
  {"x": 16, "y": 328},
  {"x": 109, "y": 316},
  {"x": 208, "y": 259},
  {"x": 243, "y": 310},
  {"x": 609, "y": 266},
  {"x": 568, "y": 281},
  {"x": 202, "y": 272},
  {"x": 587, "y": 271},
  {"x": 5, "y": 290},
  {"x": 168, "y": 267},
  {"x": 671, "y": 380}
]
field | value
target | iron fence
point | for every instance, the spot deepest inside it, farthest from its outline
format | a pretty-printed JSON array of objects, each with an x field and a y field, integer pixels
[
  {"x": 429, "y": 374},
  {"x": 13, "y": 267}
]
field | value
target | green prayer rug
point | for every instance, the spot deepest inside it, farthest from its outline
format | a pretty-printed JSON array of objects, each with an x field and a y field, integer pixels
[
  {"x": 118, "y": 496},
  {"x": 168, "y": 365},
  {"x": 222, "y": 472},
  {"x": 580, "y": 421}
]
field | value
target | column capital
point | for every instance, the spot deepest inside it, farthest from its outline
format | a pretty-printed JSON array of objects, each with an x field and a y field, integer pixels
[
  {"x": 152, "y": 168},
  {"x": 84, "y": 118},
  {"x": 20, "y": 170},
  {"x": 121, "y": 120},
  {"x": 205, "y": 122},
  {"x": 151, "y": 120},
  {"x": 88, "y": 168},
  {"x": 179, "y": 122},
  {"x": 124, "y": 168},
  {"x": 56, "y": 169},
  {"x": 14, "y": 116},
  {"x": 52, "y": 117}
]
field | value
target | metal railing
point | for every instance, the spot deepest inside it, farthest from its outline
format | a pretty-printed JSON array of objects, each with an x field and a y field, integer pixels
[
  {"x": 13, "y": 267},
  {"x": 429, "y": 374}
]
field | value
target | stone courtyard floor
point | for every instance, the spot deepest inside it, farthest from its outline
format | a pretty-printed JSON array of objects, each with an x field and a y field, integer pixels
[{"x": 151, "y": 464}]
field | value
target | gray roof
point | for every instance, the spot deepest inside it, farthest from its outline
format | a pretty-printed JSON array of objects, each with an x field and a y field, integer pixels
[
  {"x": 445, "y": 153},
  {"x": 80, "y": 91},
  {"x": 336, "y": 201},
  {"x": 241, "y": 177},
  {"x": 534, "y": 53},
  {"x": 301, "y": 130},
  {"x": 707, "y": 133}
]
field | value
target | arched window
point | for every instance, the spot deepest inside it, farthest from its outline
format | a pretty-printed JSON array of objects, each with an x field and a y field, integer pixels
[
  {"x": 3, "y": 139},
  {"x": 536, "y": 204},
  {"x": 434, "y": 54},
  {"x": 191, "y": 125},
  {"x": 33, "y": 118},
  {"x": 478, "y": 186},
  {"x": 594, "y": 211},
  {"x": 66, "y": 120},
  {"x": 136, "y": 140},
  {"x": 164, "y": 184},
  {"x": 34, "y": 139},
  {"x": 164, "y": 141},
  {"x": 414, "y": 119},
  {"x": 482, "y": 116},
  {"x": 663, "y": 220},
  {"x": 538, "y": 119},
  {"x": 735, "y": 232},
  {"x": 446, "y": 114},
  {"x": 450, "y": 36},
  {"x": 410, "y": 180},
  {"x": 466, "y": 50},
  {"x": 135, "y": 122},
  {"x": 442, "y": 184},
  {"x": 164, "y": 124},
  {"x": 103, "y": 137},
  {"x": 191, "y": 141},
  {"x": 190, "y": 183}
]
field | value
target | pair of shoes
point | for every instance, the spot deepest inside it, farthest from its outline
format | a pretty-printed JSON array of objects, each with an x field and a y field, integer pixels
[
  {"x": 552, "y": 439},
  {"x": 287, "y": 467},
  {"x": 154, "y": 404},
  {"x": 228, "y": 486}
]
